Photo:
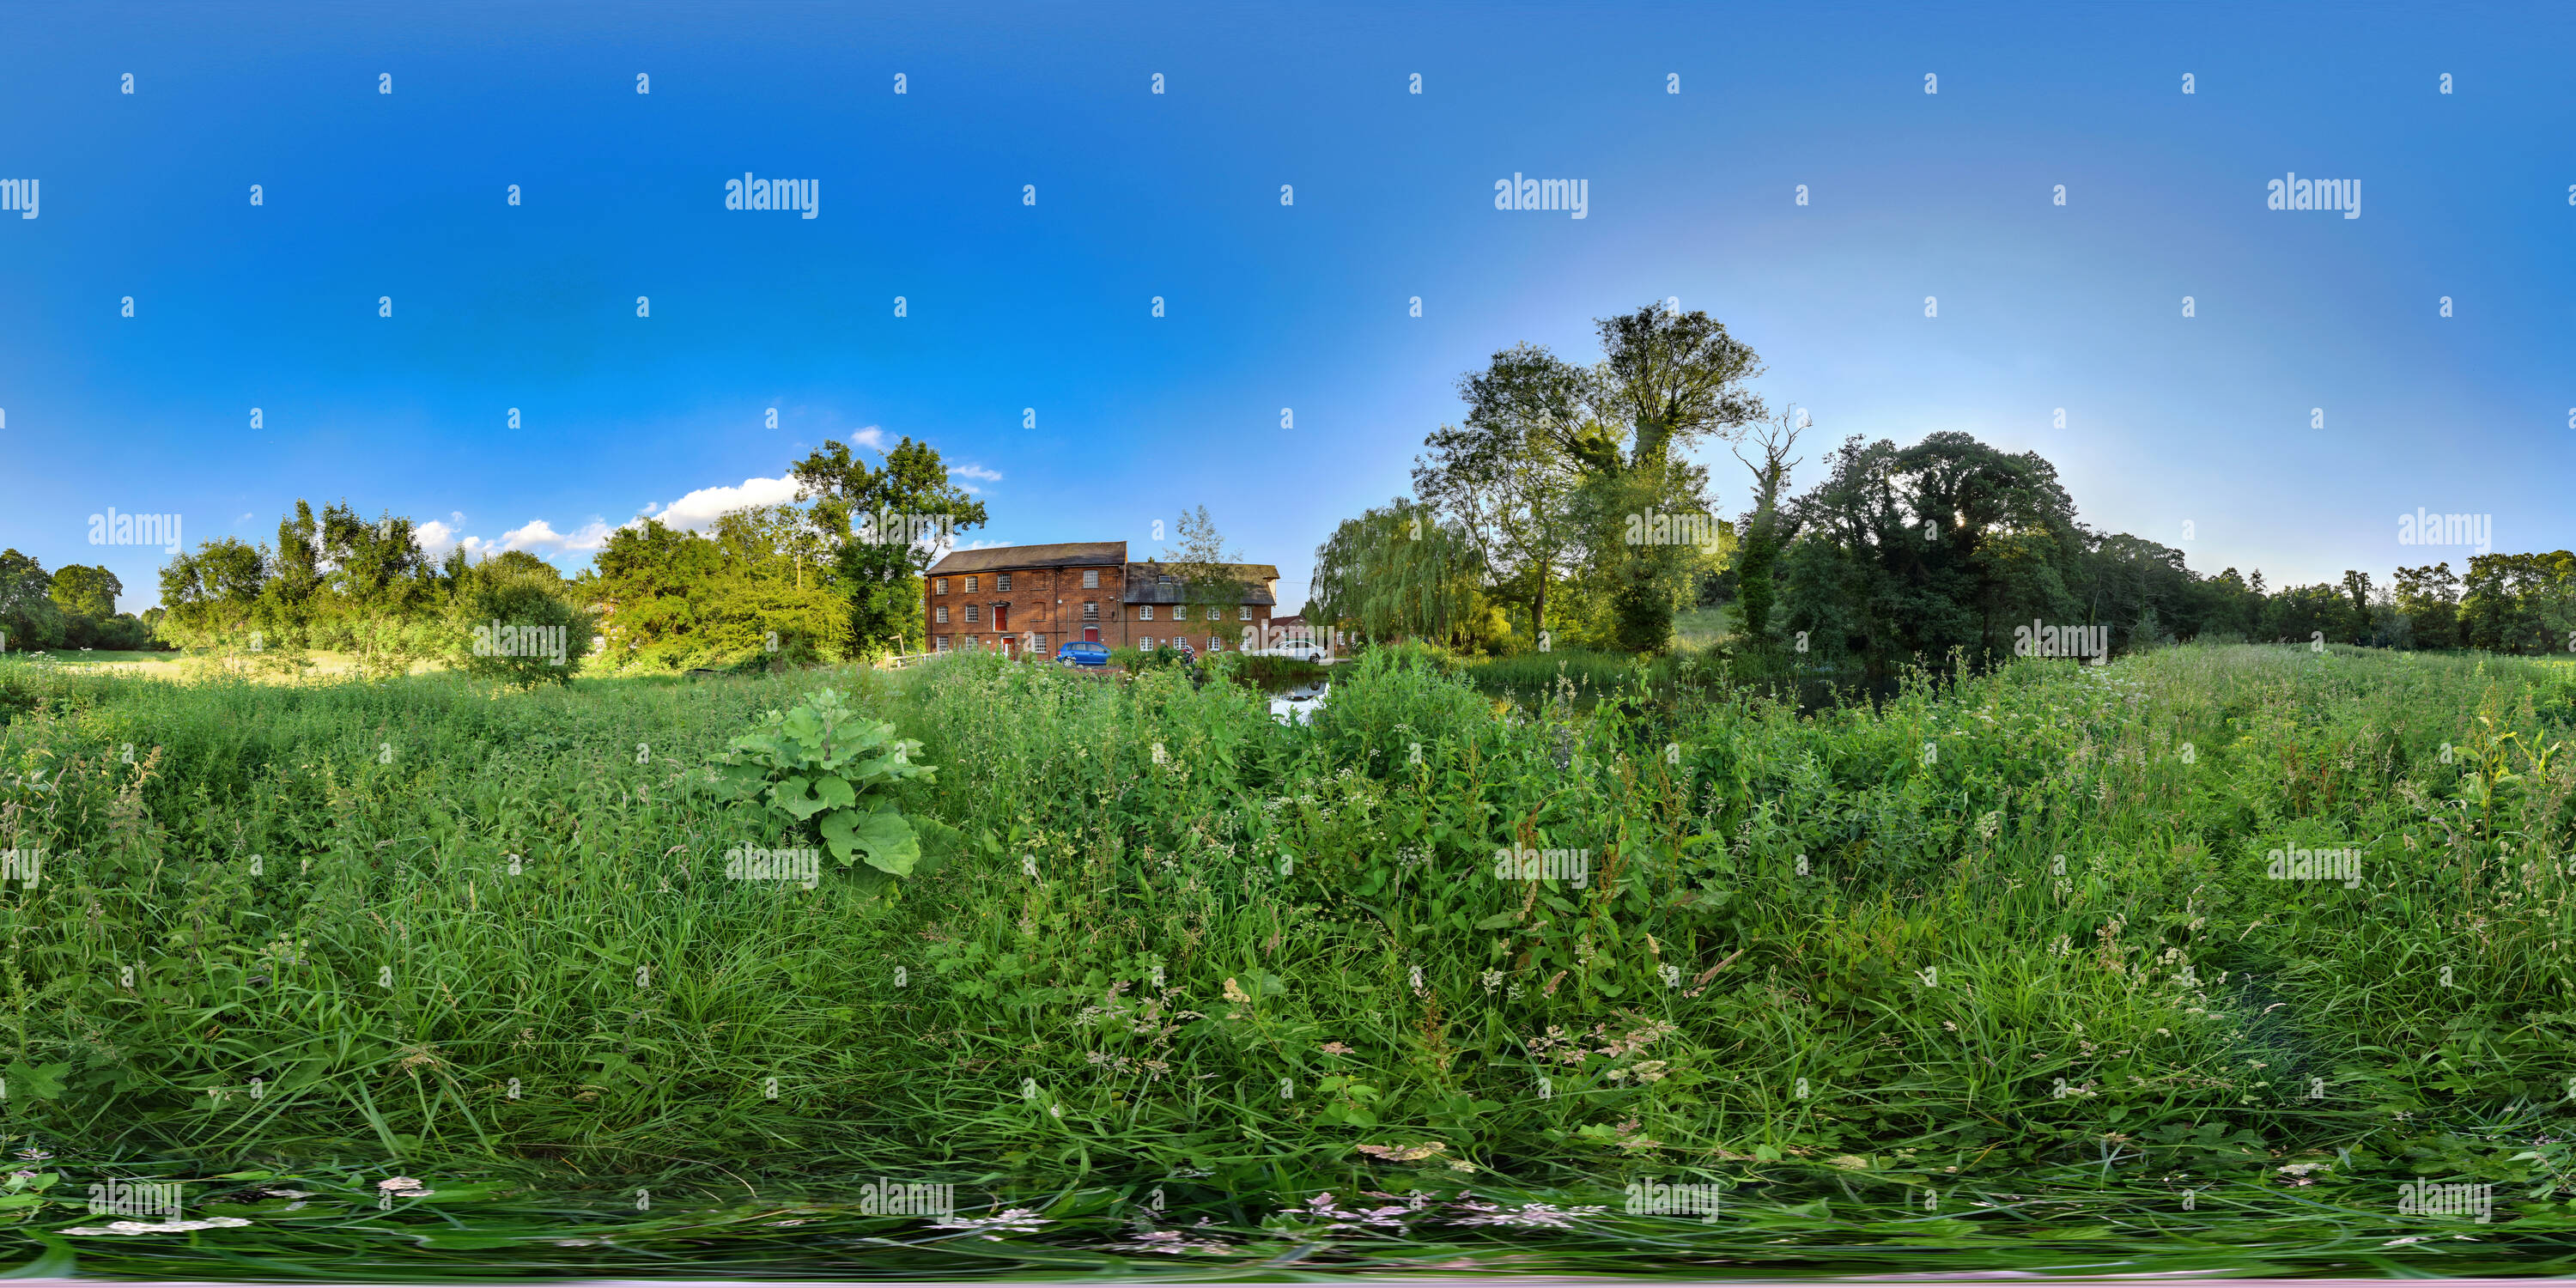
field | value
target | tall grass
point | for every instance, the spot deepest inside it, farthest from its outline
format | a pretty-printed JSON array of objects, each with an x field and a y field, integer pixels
[{"x": 2015, "y": 929}]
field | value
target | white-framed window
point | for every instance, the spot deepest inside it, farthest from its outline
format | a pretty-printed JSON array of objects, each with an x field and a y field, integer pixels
[
  {"x": 970, "y": 612},
  {"x": 1144, "y": 612},
  {"x": 1001, "y": 581},
  {"x": 1215, "y": 645},
  {"x": 942, "y": 610},
  {"x": 1146, "y": 643},
  {"x": 970, "y": 585},
  {"x": 1243, "y": 614},
  {"x": 1091, "y": 610},
  {"x": 943, "y": 640},
  {"x": 1090, "y": 579},
  {"x": 939, "y": 585},
  {"x": 1041, "y": 638}
]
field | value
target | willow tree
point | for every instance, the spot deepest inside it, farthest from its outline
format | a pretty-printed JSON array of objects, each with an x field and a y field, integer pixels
[{"x": 1398, "y": 571}]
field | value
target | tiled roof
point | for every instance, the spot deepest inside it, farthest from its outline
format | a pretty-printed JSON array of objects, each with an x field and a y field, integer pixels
[
  {"x": 1067, "y": 554},
  {"x": 1153, "y": 583}
]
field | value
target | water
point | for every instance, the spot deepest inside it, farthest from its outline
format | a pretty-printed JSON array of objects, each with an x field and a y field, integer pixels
[{"x": 1298, "y": 705}]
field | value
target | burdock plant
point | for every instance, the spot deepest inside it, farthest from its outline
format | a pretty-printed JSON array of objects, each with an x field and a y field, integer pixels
[{"x": 833, "y": 772}]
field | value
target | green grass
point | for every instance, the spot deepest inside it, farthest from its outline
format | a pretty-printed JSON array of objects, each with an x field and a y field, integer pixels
[
  {"x": 1698, "y": 628},
  {"x": 94, "y": 657},
  {"x": 1737, "y": 995}
]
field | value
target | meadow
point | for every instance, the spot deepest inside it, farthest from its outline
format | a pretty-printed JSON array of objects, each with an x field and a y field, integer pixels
[{"x": 1999, "y": 967}]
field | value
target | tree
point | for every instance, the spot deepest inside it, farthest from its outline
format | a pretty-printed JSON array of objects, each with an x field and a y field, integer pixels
[
  {"x": 287, "y": 602},
  {"x": 516, "y": 620},
  {"x": 1666, "y": 380},
  {"x": 1909, "y": 553},
  {"x": 86, "y": 591},
  {"x": 1398, "y": 571},
  {"x": 1208, "y": 573},
  {"x": 1510, "y": 495},
  {"x": 212, "y": 593},
  {"x": 2430, "y": 600},
  {"x": 29, "y": 617},
  {"x": 885, "y": 525},
  {"x": 1767, "y": 529}
]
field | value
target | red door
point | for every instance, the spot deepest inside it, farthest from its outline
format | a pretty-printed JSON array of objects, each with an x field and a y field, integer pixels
[
  {"x": 1001, "y": 617},
  {"x": 1091, "y": 634}
]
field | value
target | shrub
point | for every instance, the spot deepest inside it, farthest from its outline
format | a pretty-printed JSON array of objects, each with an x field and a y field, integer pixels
[
  {"x": 831, "y": 773},
  {"x": 512, "y": 629}
]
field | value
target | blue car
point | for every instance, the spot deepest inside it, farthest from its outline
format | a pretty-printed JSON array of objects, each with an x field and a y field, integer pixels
[{"x": 1083, "y": 653}]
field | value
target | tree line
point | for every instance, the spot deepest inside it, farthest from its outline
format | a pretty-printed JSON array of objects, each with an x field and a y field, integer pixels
[
  {"x": 73, "y": 606},
  {"x": 824, "y": 579},
  {"x": 1561, "y": 510}
]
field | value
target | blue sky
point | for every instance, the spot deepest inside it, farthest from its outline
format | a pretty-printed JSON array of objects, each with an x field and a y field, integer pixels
[{"x": 366, "y": 195}]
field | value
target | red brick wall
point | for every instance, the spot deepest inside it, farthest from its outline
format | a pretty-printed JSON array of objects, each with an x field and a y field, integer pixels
[{"x": 1033, "y": 607}]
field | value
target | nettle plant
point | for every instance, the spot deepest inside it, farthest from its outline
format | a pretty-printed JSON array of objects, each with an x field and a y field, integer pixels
[{"x": 833, "y": 773}]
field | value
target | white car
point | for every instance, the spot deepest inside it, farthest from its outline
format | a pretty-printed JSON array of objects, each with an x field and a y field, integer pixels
[{"x": 1301, "y": 650}]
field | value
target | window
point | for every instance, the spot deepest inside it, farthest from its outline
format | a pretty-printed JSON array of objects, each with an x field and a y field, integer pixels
[
  {"x": 1144, "y": 612},
  {"x": 970, "y": 585},
  {"x": 1146, "y": 643},
  {"x": 942, "y": 610},
  {"x": 1243, "y": 614},
  {"x": 1091, "y": 610},
  {"x": 1041, "y": 639},
  {"x": 939, "y": 585},
  {"x": 1215, "y": 645},
  {"x": 1090, "y": 579},
  {"x": 1001, "y": 581},
  {"x": 970, "y": 611},
  {"x": 943, "y": 640}
]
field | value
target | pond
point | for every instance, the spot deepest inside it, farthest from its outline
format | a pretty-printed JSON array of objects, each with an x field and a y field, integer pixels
[{"x": 1298, "y": 704}]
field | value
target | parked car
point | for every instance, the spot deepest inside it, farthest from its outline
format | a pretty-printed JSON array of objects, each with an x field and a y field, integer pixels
[
  {"x": 1301, "y": 650},
  {"x": 1082, "y": 653}
]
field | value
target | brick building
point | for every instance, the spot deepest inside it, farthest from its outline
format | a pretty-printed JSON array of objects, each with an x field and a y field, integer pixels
[{"x": 1034, "y": 598}]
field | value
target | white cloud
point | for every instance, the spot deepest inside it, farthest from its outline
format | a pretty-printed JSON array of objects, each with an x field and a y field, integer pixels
[
  {"x": 698, "y": 510},
  {"x": 437, "y": 538},
  {"x": 537, "y": 534},
  {"x": 872, "y": 438},
  {"x": 976, "y": 472}
]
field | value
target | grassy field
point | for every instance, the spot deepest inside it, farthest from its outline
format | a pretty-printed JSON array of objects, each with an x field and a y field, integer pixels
[{"x": 1997, "y": 970}]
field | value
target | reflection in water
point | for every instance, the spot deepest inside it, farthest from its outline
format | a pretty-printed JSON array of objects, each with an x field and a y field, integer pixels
[{"x": 1297, "y": 705}]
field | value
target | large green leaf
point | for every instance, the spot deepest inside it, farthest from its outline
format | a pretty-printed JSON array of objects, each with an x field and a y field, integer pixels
[
  {"x": 44, "y": 1081},
  {"x": 795, "y": 794},
  {"x": 834, "y": 791},
  {"x": 837, "y": 836},
  {"x": 891, "y": 844}
]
